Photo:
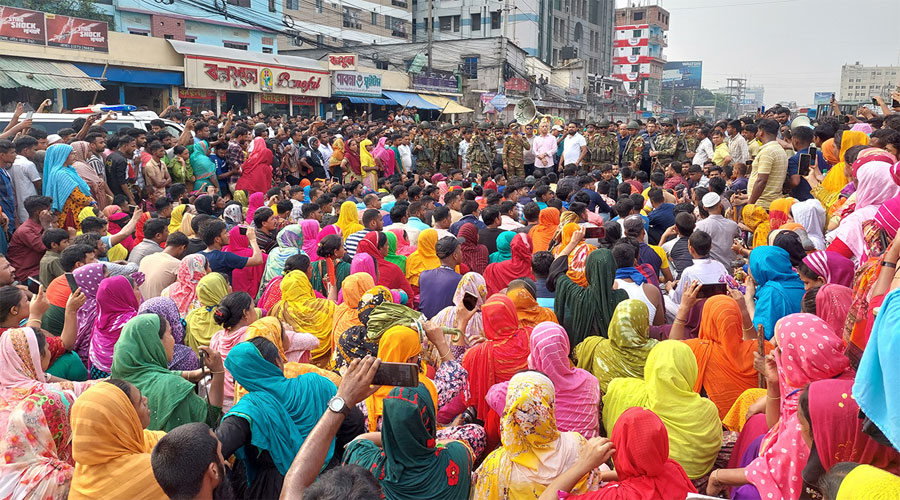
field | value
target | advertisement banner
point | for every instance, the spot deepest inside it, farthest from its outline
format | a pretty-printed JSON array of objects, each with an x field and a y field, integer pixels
[
  {"x": 517, "y": 84},
  {"x": 354, "y": 83},
  {"x": 21, "y": 25},
  {"x": 219, "y": 74},
  {"x": 76, "y": 33},
  {"x": 820, "y": 98},
  {"x": 682, "y": 74},
  {"x": 440, "y": 81}
]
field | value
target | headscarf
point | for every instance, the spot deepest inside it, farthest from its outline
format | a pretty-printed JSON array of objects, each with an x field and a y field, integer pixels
[
  {"x": 424, "y": 258},
  {"x": 289, "y": 241},
  {"x": 409, "y": 466},
  {"x": 111, "y": 450},
  {"x": 60, "y": 179},
  {"x": 389, "y": 274},
  {"x": 625, "y": 352},
  {"x": 183, "y": 357},
  {"x": 354, "y": 343},
  {"x": 830, "y": 152},
  {"x": 117, "y": 305},
  {"x": 542, "y": 234},
  {"x": 811, "y": 215},
  {"x": 502, "y": 355},
  {"x": 364, "y": 263},
  {"x": 233, "y": 214},
  {"x": 348, "y": 219},
  {"x": 565, "y": 218},
  {"x": 386, "y": 156},
  {"x": 499, "y": 274},
  {"x": 82, "y": 152},
  {"x": 345, "y": 314},
  {"x": 832, "y": 266},
  {"x": 565, "y": 235},
  {"x": 300, "y": 308},
  {"x": 256, "y": 201},
  {"x": 756, "y": 218},
  {"x": 248, "y": 278},
  {"x": 779, "y": 212},
  {"x": 404, "y": 247},
  {"x": 833, "y": 305},
  {"x": 644, "y": 468},
  {"x": 203, "y": 167},
  {"x": 88, "y": 278},
  {"x": 474, "y": 254},
  {"x": 365, "y": 156},
  {"x": 353, "y": 159},
  {"x": 392, "y": 256},
  {"x": 397, "y": 345},
  {"x": 587, "y": 311},
  {"x": 809, "y": 350},
  {"x": 523, "y": 294},
  {"x": 576, "y": 262},
  {"x": 472, "y": 283},
  {"x": 201, "y": 325},
  {"x": 256, "y": 171},
  {"x": 176, "y": 218},
  {"x": 205, "y": 205},
  {"x": 504, "y": 246},
  {"x": 577, "y": 391},
  {"x": 779, "y": 290},
  {"x": 21, "y": 362},
  {"x": 724, "y": 360},
  {"x": 534, "y": 451},
  {"x": 835, "y": 179},
  {"x": 865, "y": 482},
  {"x": 667, "y": 389},
  {"x": 337, "y": 155},
  {"x": 872, "y": 190},
  {"x": 878, "y": 369},
  {"x": 310, "y": 230},
  {"x": 184, "y": 291},
  {"x": 281, "y": 411},
  {"x": 140, "y": 358}
]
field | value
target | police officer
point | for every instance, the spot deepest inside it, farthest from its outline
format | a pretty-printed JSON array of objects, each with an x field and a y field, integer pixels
[
  {"x": 634, "y": 147},
  {"x": 448, "y": 148},
  {"x": 665, "y": 143},
  {"x": 514, "y": 147},
  {"x": 426, "y": 148},
  {"x": 687, "y": 140},
  {"x": 481, "y": 150}
]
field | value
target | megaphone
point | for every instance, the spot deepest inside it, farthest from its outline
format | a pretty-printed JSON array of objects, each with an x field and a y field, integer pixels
[
  {"x": 526, "y": 112},
  {"x": 801, "y": 121}
]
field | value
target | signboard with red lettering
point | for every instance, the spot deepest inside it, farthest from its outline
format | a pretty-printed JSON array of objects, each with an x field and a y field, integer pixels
[
  {"x": 196, "y": 94},
  {"x": 76, "y": 33},
  {"x": 21, "y": 25},
  {"x": 222, "y": 74},
  {"x": 338, "y": 62}
]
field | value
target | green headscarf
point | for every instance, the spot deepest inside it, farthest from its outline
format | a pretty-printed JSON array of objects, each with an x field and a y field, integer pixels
[
  {"x": 410, "y": 466},
  {"x": 281, "y": 411},
  {"x": 625, "y": 352},
  {"x": 199, "y": 323},
  {"x": 504, "y": 247},
  {"x": 586, "y": 311},
  {"x": 140, "y": 358},
  {"x": 392, "y": 256},
  {"x": 387, "y": 314},
  {"x": 290, "y": 241}
]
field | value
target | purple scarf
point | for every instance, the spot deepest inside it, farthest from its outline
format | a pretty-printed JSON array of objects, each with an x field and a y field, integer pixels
[
  {"x": 184, "y": 358},
  {"x": 118, "y": 304},
  {"x": 87, "y": 277}
]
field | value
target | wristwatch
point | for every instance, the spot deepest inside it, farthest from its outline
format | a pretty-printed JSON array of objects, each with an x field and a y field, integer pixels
[{"x": 338, "y": 405}]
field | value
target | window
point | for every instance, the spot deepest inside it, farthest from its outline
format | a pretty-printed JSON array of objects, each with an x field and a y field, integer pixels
[
  {"x": 495, "y": 20},
  {"x": 190, "y": 39},
  {"x": 381, "y": 65},
  {"x": 456, "y": 24},
  {"x": 320, "y": 39},
  {"x": 476, "y": 22},
  {"x": 636, "y": 33},
  {"x": 318, "y": 6},
  {"x": 169, "y": 37},
  {"x": 445, "y": 23},
  {"x": 267, "y": 50},
  {"x": 135, "y": 31},
  {"x": 239, "y": 3},
  {"x": 635, "y": 51},
  {"x": 470, "y": 66},
  {"x": 271, "y": 5},
  {"x": 375, "y": 19},
  {"x": 400, "y": 3},
  {"x": 396, "y": 25},
  {"x": 292, "y": 4},
  {"x": 635, "y": 68},
  {"x": 235, "y": 45},
  {"x": 351, "y": 18}
]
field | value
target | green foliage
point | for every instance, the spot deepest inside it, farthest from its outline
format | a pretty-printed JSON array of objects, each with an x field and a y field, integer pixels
[{"x": 75, "y": 8}]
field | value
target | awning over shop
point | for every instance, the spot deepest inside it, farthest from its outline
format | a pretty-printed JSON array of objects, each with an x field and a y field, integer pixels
[
  {"x": 408, "y": 100},
  {"x": 449, "y": 106},
  {"x": 44, "y": 75},
  {"x": 372, "y": 100},
  {"x": 132, "y": 75}
]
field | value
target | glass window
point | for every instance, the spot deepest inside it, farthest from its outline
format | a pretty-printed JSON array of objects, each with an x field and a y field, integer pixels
[
  {"x": 375, "y": 18},
  {"x": 636, "y": 33},
  {"x": 456, "y": 24},
  {"x": 495, "y": 20},
  {"x": 637, "y": 15},
  {"x": 476, "y": 22},
  {"x": 351, "y": 18},
  {"x": 470, "y": 66},
  {"x": 444, "y": 23}
]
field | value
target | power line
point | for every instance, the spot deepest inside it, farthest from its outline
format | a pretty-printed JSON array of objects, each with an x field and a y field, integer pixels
[{"x": 732, "y": 5}]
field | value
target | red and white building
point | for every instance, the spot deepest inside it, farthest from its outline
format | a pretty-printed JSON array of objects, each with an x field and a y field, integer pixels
[{"x": 638, "y": 42}]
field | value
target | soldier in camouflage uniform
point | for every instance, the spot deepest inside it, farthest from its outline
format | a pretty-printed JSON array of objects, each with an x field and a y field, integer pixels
[
  {"x": 448, "y": 149},
  {"x": 634, "y": 148},
  {"x": 687, "y": 140},
  {"x": 426, "y": 149},
  {"x": 665, "y": 144},
  {"x": 603, "y": 146},
  {"x": 481, "y": 150},
  {"x": 514, "y": 146}
]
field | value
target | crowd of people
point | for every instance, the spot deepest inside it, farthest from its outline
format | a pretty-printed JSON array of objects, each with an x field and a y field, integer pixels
[{"x": 634, "y": 310}]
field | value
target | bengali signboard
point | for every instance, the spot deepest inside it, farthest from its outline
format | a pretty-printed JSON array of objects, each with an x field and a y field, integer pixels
[
  {"x": 22, "y": 25},
  {"x": 76, "y": 33},
  {"x": 338, "y": 62},
  {"x": 682, "y": 74},
  {"x": 219, "y": 74},
  {"x": 355, "y": 83}
]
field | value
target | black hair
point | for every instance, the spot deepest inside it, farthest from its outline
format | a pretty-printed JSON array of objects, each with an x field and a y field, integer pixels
[
  {"x": 232, "y": 308},
  {"x": 200, "y": 220},
  {"x": 656, "y": 195},
  {"x": 181, "y": 457},
  {"x": 803, "y": 406},
  {"x": 267, "y": 349},
  {"x": 154, "y": 228},
  {"x": 298, "y": 262},
  {"x": 90, "y": 239},
  {"x": 284, "y": 206},
  {"x": 369, "y": 216},
  {"x": 308, "y": 209},
  {"x": 177, "y": 239},
  {"x": 770, "y": 127},
  {"x": 701, "y": 242},
  {"x": 54, "y": 235},
  {"x": 790, "y": 241},
  {"x": 91, "y": 224},
  {"x": 717, "y": 184},
  {"x": 73, "y": 254},
  {"x": 830, "y": 482},
  {"x": 261, "y": 215},
  {"x": 162, "y": 203},
  {"x": 579, "y": 205},
  {"x": 658, "y": 178},
  {"x": 398, "y": 211},
  {"x": 624, "y": 206},
  {"x": 808, "y": 305},
  {"x": 489, "y": 215},
  {"x": 852, "y": 153},
  {"x": 531, "y": 211},
  {"x": 350, "y": 482},
  {"x": 328, "y": 246},
  {"x": 24, "y": 142},
  {"x": 685, "y": 223},
  {"x": 122, "y": 385},
  {"x": 10, "y": 296},
  {"x": 624, "y": 254},
  {"x": 211, "y": 231},
  {"x": 540, "y": 263}
]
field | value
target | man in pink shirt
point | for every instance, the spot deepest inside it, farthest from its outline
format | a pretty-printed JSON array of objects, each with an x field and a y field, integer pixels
[{"x": 543, "y": 149}]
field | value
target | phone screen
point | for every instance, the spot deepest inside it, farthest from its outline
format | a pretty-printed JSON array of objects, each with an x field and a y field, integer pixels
[
  {"x": 29, "y": 114},
  {"x": 470, "y": 301},
  {"x": 874, "y": 102},
  {"x": 598, "y": 232},
  {"x": 243, "y": 230},
  {"x": 71, "y": 279},
  {"x": 34, "y": 286},
  {"x": 895, "y": 103},
  {"x": 813, "y": 154},
  {"x": 710, "y": 289},
  {"x": 397, "y": 374},
  {"x": 803, "y": 168}
]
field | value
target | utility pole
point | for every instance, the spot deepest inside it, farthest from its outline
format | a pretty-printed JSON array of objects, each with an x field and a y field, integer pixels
[
  {"x": 500, "y": 87},
  {"x": 430, "y": 26}
]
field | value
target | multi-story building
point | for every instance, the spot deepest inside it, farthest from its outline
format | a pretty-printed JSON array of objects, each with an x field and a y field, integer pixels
[
  {"x": 346, "y": 23},
  {"x": 639, "y": 40},
  {"x": 552, "y": 30},
  {"x": 860, "y": 83}
]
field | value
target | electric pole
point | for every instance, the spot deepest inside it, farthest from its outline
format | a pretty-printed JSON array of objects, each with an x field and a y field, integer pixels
[
  {"x": 430, "y": 26},
  {"x": 500, "y": 86}
]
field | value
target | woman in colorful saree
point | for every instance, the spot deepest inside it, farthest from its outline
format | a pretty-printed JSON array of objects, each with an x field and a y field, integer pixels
[{"x": 300, "y": 309}]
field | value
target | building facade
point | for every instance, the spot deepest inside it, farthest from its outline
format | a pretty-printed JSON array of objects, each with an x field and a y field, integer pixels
[
  {"x": 638, "y": 59},
  {"x": 861, "y": 83},
  {"x": 345, "y": 24}
]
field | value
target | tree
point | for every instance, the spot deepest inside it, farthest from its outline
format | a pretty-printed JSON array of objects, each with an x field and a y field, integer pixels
[{"x": 75, "y": 8}]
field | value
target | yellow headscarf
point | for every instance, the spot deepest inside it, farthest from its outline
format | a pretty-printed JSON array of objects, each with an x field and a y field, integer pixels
[
  {"x": 667, "y": 389},
  {"x": 424, "y": 258},
  {"x": 300, "y": 308},
  {"x": 85, "y": 213},
  {"x": 185, "y": 226},
  {"x": 348, "y": 220},
  {"x": 177, "y": 216},
  {"x": 865, "y": 482},
  {"x": 835, "y": 180},
  {"x": 110, "y": 448},
  {"x": 200, "y": 325},
  {"x": 345, "y": 314},
  {"x": 337, "y": 156},
  {"x": 365, "y": 157},
  {"x": 756, "y": 218}
]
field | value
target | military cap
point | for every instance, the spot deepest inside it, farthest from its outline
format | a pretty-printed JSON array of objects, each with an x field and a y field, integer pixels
[
  {"x": 425, "y": 125},
  {"x": 603, "y": 123},
  {"x": 484, "y": 126},
  {"x": 666, "y": 121},
  {"x": 633, "y": 125}
]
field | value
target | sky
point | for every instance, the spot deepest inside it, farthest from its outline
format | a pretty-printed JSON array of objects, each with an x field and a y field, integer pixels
[{"x": 793, "y": 48}]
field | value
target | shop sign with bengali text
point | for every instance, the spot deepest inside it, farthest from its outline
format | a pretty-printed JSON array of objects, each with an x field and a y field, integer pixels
[
  {"x": 204, "y": 94},
  {"x": 203, "y": 73},
  {"x": 517, "y": 84},
  {"x": 339, "y": 62},
  {"x": 76, "y": 33},
  {"x": 355, "y": 83},
  {"x": 281, "y": 99},
  {"x": 440, "y": 81},
  {"x": 299, "y": 100},
  {"x": 22, "y": 25}
]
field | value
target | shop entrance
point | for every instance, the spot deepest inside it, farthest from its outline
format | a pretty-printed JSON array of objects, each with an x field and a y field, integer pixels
[{"x": 239, "y": 100}]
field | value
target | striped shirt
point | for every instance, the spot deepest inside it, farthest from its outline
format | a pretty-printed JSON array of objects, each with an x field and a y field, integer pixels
[{"x": 353, "y": 241}]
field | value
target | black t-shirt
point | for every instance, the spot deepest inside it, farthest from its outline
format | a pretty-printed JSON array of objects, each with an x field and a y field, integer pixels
[
  {"x": 116, "y": 171},
  {"x": 488, "y": 238}
]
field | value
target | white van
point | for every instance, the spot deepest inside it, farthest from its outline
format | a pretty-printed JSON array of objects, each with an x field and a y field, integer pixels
[{"x": 53, "y": 122}]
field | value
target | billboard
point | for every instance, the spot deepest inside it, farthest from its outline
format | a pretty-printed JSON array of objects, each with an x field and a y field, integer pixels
[
  {"x": 682, "y": 74},
  {"x": 76, "y": 33},
  {"x": 21, "y": 25}
]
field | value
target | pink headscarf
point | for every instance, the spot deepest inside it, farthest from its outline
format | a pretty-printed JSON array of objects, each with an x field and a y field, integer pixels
[
  {"x": 443, "y": 189},
  {"x": 256, "y": 200},
  {"x": 310, "y": 230},
  {"x": 222, "y": 342},
  {"x": 888, "y": 215},
  {"x": 118, "y": 304},
  {"x": 577, "y": 391},
  {"x": 403, "y": 245},
  {"x": 832, "y": 266},
  {"x": 184, "y": 290},
  {"x": 328, "y": 231},
  {"x": 871, "y": 191},
  {"x": 833, "y": 304},
  {"x": 386, "y": 156},
  {"x": 363, "y": 263},
  {"x": 810, "y": 351},
  {"x": 862, "y": 127},
  {"x": 248, "y": 278}
]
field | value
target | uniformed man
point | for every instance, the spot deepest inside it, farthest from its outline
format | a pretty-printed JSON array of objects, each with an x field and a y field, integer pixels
[
  {"x": 687, "y": 140},
  {"x": 514, "y": 147},
  {"x": 603, "y": 146},
  {"x": 425, "y": 148},
  {"x": 448, "y": 148},
  {"x": 634, "y": 148},
  {"x": 665, "y": 144},
  {"x": 481, "y": 150}
]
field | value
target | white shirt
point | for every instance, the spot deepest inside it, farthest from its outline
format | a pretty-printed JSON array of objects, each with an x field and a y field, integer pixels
[
  {"x": 704, "y": 152},
  {"x": 463, "y": 148},
  {"x": 507, "y": 223},
  {"x": 572, "y": 148},
  {"x": 737, "y": 148},
  {"x": 405, "y": 157},
  {"x": 326, "y": 151},
  {"x": 706, "y": 271},
  {"x": 23, "y": 173}
]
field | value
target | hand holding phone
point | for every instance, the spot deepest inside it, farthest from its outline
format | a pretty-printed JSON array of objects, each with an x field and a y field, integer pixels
[
  {"x": 34, "y": 286},
  {"x": 710, "y": 289},
  {"x": 803, "y": 166},
  {"x": 470, "y": 301},
  {"x": 73, "y": 285},
  {"x": 397, "y": 374}
]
